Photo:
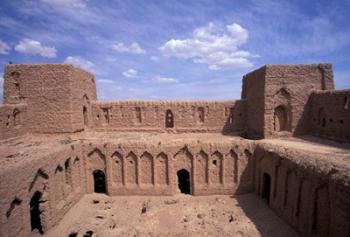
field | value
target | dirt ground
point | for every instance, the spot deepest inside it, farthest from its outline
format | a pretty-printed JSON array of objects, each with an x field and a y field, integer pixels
[{"x": 180, "y": 215}]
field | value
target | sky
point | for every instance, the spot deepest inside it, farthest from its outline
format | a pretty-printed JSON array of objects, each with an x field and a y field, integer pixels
[{"x": 184, "y": 49}]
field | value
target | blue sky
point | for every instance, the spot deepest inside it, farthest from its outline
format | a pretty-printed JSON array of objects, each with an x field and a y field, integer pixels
[{"x": 175, "y": 49}]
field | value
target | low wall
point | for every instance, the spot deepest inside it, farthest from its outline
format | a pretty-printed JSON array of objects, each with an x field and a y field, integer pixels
[
  {"x": 182, "y": 116},
  {"x": 330, "y": 114}
]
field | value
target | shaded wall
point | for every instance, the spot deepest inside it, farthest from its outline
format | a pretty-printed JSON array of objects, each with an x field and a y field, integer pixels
[
  {"x": 188, "y": 116},
  {"x": 330, "y": 114},
  {"x": 58, "y": 175},
  {"x": 313, "y": 200}
]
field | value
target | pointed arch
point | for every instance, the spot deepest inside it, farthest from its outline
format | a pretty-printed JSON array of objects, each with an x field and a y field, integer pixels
[
  {"x": 215, "y": 168},
  {"x": 40, "y": 174},
  {"x": 202, "y": 167},
  {"x": 146, "y": 168},
  {"x": 15, "y": 202},
  {"x": 282, "y": 110},
  {"x": 161, "y": 167},
  {"x": 117, "y": 168},
  {"x": 16, "y": 117},
  {"x": 131, "y": 168}
]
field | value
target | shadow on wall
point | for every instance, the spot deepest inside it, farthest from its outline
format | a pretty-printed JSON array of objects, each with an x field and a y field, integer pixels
[
  {"x": 235, "y": 121},
  {"x": 310, "y": 202}
]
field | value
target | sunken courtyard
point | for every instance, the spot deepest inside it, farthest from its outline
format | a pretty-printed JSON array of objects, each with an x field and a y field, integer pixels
[{"x": 274, "y": 163}]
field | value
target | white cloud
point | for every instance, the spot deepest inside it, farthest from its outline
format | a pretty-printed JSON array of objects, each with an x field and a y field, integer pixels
[
  {"x": 66, "y": 3},
  {"x": 105, "y": 81},
  {"x": 4, "y": 48},
  {"x": 33, "y": 47},
  {"x": 130, "y": 73},
  {"x": 80, "y": 63},
  {"x": 216, "y": 46},
  {"x": 133, "y": 48},
  {"x": 162, "y": 79},
  {"x": 154, "y": 58}
]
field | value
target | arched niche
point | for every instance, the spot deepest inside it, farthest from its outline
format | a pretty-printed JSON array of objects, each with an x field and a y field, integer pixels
[{"x": 282, "y": 117}]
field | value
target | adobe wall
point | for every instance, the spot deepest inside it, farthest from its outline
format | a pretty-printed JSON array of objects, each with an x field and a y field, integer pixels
[
  {"x": 151, "y": 169},
  {"x": 53, "y": 93},
  {"x": 290, "y": 86},
  {"x": 57, "y": 174},
  {"x": 307, "y": 192},
  {"x": 279, "y": 97},
  {"x": 188, "y": 116},
  {"x": 330, "y": 114},
  {"x": 253, "y": 95},
  {"x": 12, "y": 120}
]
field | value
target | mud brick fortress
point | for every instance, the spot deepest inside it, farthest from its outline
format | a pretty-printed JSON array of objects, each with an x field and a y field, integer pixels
[{"x": 286, "y": 140}]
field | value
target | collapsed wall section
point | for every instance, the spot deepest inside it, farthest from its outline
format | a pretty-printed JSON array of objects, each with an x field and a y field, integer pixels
[
  {"x": 330, "y": 114},
  {"x": 173, "y": 116}
]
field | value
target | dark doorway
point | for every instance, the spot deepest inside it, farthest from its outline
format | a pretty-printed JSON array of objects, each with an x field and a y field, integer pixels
[
  {"x": 266, "y": 187},
  {"x": 99, "y": 181},
  {"x": 35, "y": 212},
  {"x": 169, "y": 119},
  {"x": 183, "y": 177},
  {"x": 85, "y": 116}
]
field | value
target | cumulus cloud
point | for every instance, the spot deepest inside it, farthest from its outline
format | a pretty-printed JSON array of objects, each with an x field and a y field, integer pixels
[
  {"x": 162, "y": 79},
  {"x": 130, "y": 73},
  {"x": 133, "y": 48},
  {"x": 80, "y": 63},
  {"x": 4, "y": 48},
  {"x": 216, "y": 46},
  {"x": 33, "y": 47},
  {"x": 66, "y": 3}
]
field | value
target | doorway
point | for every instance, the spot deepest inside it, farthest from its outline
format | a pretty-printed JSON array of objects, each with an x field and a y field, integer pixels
[
  {"x": 99, "y": 181},
  {"x": 266, "y": 187},
  {"x": 35, "y": 212},
  {"x": 183, "y": 177}
]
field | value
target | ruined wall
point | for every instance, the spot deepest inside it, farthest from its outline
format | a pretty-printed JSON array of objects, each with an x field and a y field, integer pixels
[
  {"x": 253, "y": 94},
  {"x": 53, "y": 93},
  {"x": 174, "y": 116},
  {"x": 288, "y": 87},
  {"x": 151, "y": 169},
  {"x": 56, "y": 175},
  {"x": 12, "y": 119},
  {"x": 279, "y": 97},
  {"x": 312, "y": 196},
  {"x": 330, "y": 114}
]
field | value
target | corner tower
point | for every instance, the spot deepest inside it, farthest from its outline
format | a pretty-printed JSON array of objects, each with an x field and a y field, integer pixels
[
  {"x": 277, "y": 97},
  {"x": 56, "y": 97}
]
